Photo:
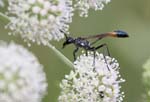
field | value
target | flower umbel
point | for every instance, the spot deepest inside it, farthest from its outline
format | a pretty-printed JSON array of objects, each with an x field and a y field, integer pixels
[
  {"x": 84, "y": 5},
  {"x": 40, "y": 20},
  {"x": 88, "y": 83},
  {"x": 21, "y": 76},
  {"x": 146, "y": 78}
]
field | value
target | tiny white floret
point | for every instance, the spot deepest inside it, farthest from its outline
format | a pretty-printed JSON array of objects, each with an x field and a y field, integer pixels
[
  {"x": 22, "y": 78},
  {"x": 84, "y": 5},
  {"x": 92, "y": 83},
  {"x": 27, "y": 16}
]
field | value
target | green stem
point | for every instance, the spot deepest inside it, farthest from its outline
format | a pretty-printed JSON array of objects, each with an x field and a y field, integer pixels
[
  {"x": 4, "y": 18},
  {"x": 57, "y": 52},
  {"x": 61, "y": 56}
]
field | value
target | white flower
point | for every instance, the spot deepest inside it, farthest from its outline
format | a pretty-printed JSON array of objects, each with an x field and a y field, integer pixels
[
  {"x": 146, "y": 78},
  {"x": 1, "y": 3},
  {"x": 84, "y": 5},
  {"x": 92, "y": 83},
  {"x": 21, "y": 76},
  {"x": 40, "y": 20}
]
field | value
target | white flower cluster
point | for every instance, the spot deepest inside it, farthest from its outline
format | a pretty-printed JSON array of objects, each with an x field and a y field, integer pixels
[
  {"x": 1, "y": 3},
  {"x": 88, "y": 83},
  {"x": 84, "y": 5},
  {"x": 146, "y": 77},
  {"x": 21, "y": 76},
  {"x": 40, "y": 21}
]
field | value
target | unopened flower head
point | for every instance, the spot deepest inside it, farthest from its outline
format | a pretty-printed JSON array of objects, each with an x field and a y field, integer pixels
[
  {"x": 40, "y": 20},
  {"x": 146, "y": 77},
  {"x": 84, "y": 5},
  {"x": 21, "y": 76},
  {"x": 92, "y": 83}
]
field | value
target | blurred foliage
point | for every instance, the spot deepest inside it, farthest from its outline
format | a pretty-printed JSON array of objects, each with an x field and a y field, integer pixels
[{"x": 132, "y": 16}]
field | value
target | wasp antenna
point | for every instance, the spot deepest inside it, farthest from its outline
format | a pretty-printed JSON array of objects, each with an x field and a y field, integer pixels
[{"x": 66, "y": 36}]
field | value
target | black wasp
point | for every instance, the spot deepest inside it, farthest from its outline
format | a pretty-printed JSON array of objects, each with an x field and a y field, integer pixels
[{"x": 82, "y": 42}]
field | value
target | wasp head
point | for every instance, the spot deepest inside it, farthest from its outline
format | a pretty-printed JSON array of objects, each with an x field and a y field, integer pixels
[{"x": 68, "y": 41}]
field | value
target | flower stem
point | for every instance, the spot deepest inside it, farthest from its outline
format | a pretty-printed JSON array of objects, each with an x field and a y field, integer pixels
[
  {"x": 61, "y": 56},
  {"x": 6, "y": 19}
]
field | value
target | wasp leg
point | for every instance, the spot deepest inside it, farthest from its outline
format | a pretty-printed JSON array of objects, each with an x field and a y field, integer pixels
[
  {"x": 86, "y": 53},
  {"x": 94, "y": 56},
  {"x": 104, "y": 45},
  {"x": 74, "y": 53}
]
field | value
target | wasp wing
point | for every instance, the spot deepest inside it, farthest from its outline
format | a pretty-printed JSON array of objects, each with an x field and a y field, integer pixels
[{"x": 98, "y": 36}]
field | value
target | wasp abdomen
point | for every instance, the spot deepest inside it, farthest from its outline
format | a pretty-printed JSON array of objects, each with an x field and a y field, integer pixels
[{"x": 121, "y": 34}]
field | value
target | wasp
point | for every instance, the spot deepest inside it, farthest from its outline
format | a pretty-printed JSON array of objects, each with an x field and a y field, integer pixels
[{"x": 82, "y": 42}]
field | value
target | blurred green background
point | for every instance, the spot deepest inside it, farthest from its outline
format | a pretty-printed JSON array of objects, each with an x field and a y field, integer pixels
[{"x": 132, "y": 16}]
